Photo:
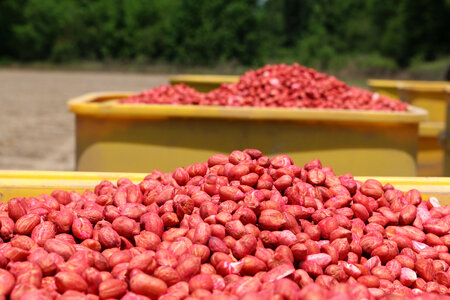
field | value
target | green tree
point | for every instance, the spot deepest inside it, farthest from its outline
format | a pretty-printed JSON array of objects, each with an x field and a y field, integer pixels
[
  {"x": 318, "y": 33},
  {"x": 210, "y": 31}
]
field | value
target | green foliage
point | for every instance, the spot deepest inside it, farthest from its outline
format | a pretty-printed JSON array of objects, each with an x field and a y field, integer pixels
[
  {"x": 325, "y": 34},
  {"x": 429, "y": 70}
]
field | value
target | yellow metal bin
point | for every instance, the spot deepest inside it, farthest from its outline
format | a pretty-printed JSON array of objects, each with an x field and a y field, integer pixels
[
  {"x": 33, "y": 183},
  {"x": 430, "y": 157},
  {"x": 203, "y": 83},
  {"x": 138, "y": 137},
  {"x": 429, "y": 95},
  {"x": 445, "y": 137}
]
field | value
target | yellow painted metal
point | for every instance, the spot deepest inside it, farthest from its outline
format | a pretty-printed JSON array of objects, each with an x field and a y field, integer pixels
[
  {"x": 430, "y": 156},
  {"x": 446, "y": 145},
  {"x": 429, "y": 95},
  {"x": 203, "y": 83},
  {"x": 138, "y": 138},
  {"x": 33, "y": 183},
  {"x": 395, "y": 83},
  {"x": 445, "y": 138},
  {"x": 384, "y": 87}
]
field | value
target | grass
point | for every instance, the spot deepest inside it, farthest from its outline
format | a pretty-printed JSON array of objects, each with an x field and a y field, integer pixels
[
  {"x": 430, "y": 70},
  {"x": 132, "y": 67},
  {"x": 354, "y": 73}
]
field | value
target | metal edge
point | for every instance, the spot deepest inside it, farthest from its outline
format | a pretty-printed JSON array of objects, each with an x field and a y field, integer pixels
[
  {"x": 411, "y": 85},
  {"x": 51, "y": 180},
  {"x": 90, "y": 104},
  {"x": 431, "y": 129},
  {"x": 205, "y": 79}
]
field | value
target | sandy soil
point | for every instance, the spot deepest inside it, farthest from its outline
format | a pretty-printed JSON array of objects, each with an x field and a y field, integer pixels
[{"x": 36, "y": 128}]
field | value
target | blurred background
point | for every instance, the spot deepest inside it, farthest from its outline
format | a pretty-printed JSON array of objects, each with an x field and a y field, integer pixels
[{"x": 54, "y": 50}]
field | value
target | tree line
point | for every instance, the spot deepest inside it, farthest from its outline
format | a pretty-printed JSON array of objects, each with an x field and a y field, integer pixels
[{"x": 318, "y": 33}]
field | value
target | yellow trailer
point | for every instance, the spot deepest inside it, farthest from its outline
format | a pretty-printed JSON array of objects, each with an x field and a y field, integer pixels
[
  {"x": 203, "y": 83},
  {"x": 429, "y": 95},
  {"x": 139, "y": 137}
]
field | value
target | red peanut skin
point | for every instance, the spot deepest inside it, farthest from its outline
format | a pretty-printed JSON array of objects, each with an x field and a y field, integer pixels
[
  {"x": 407, "y": 214},
  {"x": 43, "y": 232},
  {"x": 26, "y": 223},
  {"x": 148, "y": 286},
  {"x": 272, "y": 86},
  {"x": 230, "y": 240},
  {"x": 8, "y": 281}
]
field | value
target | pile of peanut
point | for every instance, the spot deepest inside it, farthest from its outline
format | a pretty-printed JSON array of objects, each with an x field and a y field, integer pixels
[
  {"x": 288, "y": 86},
  {"x": 239, "y": 226}
]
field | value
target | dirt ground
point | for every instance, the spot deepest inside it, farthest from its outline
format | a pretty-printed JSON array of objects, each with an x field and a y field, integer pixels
[{"x": 37, "y": 132}]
